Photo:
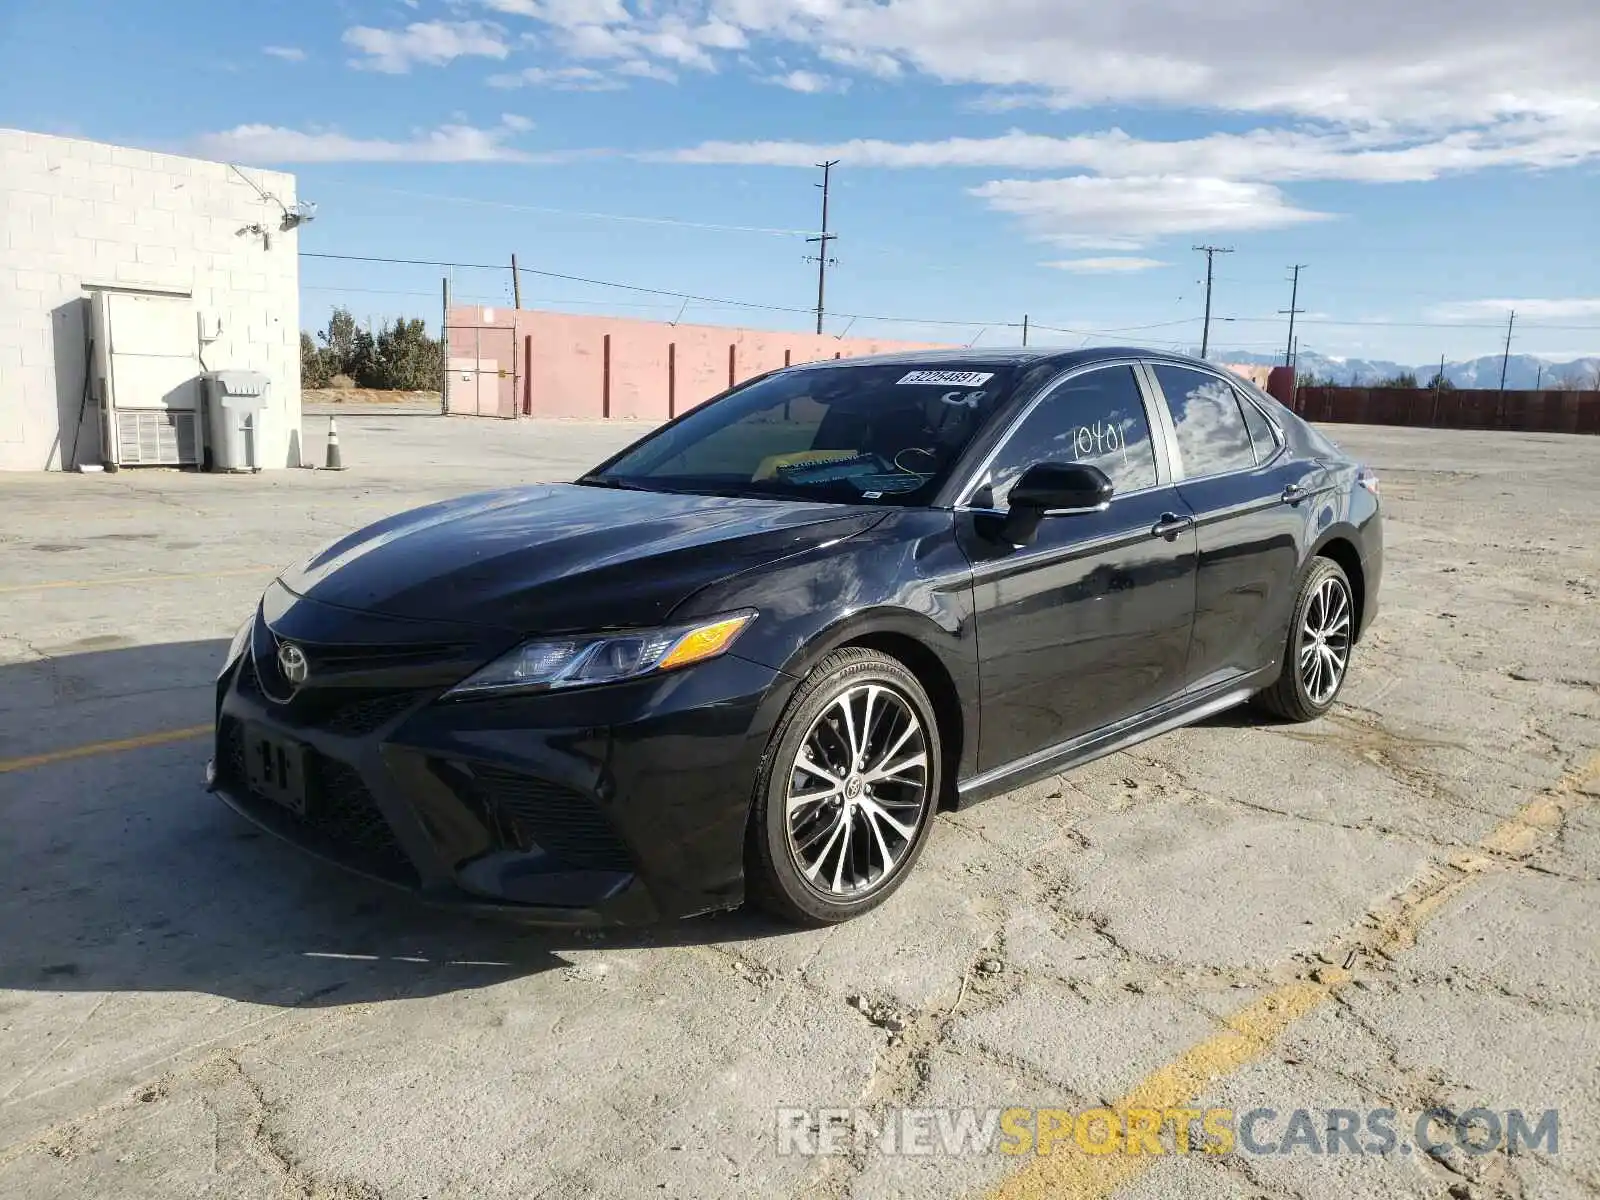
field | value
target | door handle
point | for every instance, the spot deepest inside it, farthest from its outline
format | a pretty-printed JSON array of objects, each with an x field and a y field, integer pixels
[
  {"x": 1170, "y": 525},
  {"x": 1294, "y": 493}
]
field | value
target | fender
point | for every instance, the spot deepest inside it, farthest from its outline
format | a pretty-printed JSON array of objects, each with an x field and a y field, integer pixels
[{"x": 949, "y": 646}]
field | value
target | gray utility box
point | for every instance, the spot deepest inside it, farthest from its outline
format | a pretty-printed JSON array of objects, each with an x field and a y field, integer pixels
[{"x": 234, "y": 403}]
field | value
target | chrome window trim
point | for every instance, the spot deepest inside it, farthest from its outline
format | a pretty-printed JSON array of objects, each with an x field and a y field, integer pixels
[{"x": 978, "y": 477}]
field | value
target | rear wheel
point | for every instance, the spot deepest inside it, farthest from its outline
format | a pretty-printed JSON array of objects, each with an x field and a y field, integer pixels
[
  {"x": 846, "y": 794},
  {"x": 1317, "y": 654}
]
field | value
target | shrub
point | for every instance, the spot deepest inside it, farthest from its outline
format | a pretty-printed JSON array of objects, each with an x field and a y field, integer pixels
[
  {"x": 313, "y": 364},
  {"x": 401, "y": 356}
]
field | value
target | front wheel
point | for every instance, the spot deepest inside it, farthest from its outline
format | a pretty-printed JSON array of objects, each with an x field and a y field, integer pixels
[
  {"x": 1317, "y": 653},
  {"x": 846, "y": 795}
]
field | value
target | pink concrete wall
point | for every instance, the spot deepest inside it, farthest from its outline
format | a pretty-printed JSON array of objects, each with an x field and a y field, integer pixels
[
  {"x": 561, "y": 360},
  {"x": 1256, "y": 375}
]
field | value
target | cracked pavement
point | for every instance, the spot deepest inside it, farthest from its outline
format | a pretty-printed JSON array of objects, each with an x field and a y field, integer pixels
[{"x": 188, "y": 1007}]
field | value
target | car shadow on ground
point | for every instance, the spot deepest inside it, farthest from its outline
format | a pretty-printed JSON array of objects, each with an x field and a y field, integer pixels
[
  {"x": 1242, "y": 716},
  {"x": 122, "y": 874}
]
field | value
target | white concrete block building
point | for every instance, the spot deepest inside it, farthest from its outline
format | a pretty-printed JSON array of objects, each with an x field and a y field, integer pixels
[{"x": 181, "y": 266}]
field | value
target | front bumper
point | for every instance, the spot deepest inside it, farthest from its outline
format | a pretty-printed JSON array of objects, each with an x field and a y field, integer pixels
[{"x": 620, "y": 804}]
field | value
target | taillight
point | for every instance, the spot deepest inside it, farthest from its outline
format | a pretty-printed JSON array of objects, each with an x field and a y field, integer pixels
[{"x": 1368, "y": 480}]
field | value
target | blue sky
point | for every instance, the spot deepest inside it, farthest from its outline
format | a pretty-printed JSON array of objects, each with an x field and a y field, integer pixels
[{"x": 1433, "y": 163}]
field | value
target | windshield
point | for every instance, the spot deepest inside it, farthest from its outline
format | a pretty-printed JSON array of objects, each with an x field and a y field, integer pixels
[{"x": 868, "y": 433}]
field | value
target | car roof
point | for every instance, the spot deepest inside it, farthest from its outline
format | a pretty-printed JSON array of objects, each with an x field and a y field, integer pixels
[{"x": 1022, "y": 356}]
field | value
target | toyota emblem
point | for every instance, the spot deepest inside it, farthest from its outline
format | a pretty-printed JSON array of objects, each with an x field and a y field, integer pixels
[{"x": 292, "y": 662}]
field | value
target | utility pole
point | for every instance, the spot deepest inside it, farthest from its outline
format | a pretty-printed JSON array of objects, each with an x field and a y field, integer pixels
[
  {"x": 1210, "y": 252},
  {"x": 444, "y": 349},
  {"x": 1294, "y": 296},
  {"x": 1505, "y": 359},
  {"x": 822, "y": 260},
  {"x": 1024, "y": 329},
  {"x": 516, "y": 284}
]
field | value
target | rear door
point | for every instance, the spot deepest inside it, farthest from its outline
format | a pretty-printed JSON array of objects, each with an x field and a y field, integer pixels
[
  {"x": 1090, "y": 623},
  {"x": 1245, "y": 490}
]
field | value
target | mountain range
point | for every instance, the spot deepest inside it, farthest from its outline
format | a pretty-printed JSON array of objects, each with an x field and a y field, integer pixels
[{"x": 1524, "y": 372}]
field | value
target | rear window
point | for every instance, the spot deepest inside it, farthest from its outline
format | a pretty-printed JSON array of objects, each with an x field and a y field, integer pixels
[{"x": 1262, "y": 435}]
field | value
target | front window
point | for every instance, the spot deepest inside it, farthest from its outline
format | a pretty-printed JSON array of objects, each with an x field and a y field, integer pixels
[
  {"x": 871, "y": 433},
  {"x": 1096, "y": 418}
]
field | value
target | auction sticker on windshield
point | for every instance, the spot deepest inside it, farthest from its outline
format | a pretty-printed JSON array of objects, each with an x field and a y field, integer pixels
[{"x": 947, "y": 378}]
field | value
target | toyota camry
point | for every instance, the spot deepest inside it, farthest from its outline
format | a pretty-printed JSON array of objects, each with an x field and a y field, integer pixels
[{"x": 754, "y": 653}]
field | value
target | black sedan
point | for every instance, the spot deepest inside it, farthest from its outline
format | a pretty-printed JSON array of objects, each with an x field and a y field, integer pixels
[{"x": 751, "y": 655}]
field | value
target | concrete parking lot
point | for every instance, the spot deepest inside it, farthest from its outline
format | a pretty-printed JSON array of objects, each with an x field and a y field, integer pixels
[{"x": 1395, "y": 907}]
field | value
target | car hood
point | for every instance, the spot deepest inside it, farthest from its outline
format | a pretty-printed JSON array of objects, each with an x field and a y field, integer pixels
[{"x": 561, "y": 557}]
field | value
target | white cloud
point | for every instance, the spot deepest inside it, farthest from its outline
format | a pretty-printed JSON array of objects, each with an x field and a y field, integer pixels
[
  {"x": 869, "y": 62},
  {"x": 1106, "y": 266},
  {"x": 560, "y": 79},
  {"x": 565, "y": 13},
  {"x": 515, "y": 122},
  {"x": 639, "y": 68},
  {"x": 721, "y": 35},
  {"x": 1373, "y": 60},
  {"x": 1091, "y": 213},
  {"x": 809, "y": 82},
  {"x": 1369, "y": 91},
  {"x": 287, "y": 53},
  {"x": 1439, "y": 62},
  {"x": 1533, "y": 309},
  {"x": 1278, "y": 155},
  {"x": 434, "y": 43},
  {"x": 446, "y": 144}
]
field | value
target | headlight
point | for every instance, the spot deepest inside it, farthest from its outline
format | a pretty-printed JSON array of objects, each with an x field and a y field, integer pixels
[
  {"x": 236, "y": 648},
  {"x": 586, "y": 659}
]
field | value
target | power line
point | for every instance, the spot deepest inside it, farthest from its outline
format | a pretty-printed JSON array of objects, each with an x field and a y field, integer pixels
[
  {"x": 1405, "y": 324},
  {"x": 725, "y": 302},
  {"x": 1211, "y": 253}
]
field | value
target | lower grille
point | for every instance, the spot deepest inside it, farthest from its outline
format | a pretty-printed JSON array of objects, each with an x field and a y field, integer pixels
[
  {"x": 340, "y": 810},
  {"x": 558, "y": 819},
  {"x": 366, "y": 716}
]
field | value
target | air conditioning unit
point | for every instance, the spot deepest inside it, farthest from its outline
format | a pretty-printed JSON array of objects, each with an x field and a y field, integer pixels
[
  {"x": 146, "y": 351},
  {"x": 157, "y": 438}
]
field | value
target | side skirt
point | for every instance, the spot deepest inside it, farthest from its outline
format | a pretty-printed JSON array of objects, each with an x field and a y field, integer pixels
[{"x": 1164, "y": 718}]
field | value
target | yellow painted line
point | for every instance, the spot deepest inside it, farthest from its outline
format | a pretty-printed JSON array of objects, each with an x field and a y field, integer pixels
[
  {"x": 144, "y": 740},
  {"x": 123, "y": 580},
  {"x": 1070, "y": 1174}
]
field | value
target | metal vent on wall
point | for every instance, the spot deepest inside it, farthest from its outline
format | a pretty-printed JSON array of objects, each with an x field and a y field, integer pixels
[{"x": 156, "y": 437}]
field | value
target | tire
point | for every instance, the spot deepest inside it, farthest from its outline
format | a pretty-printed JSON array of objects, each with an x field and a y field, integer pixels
[
  {"x": 1305, "y": 693},
  {"x": 853, "y": 838}
]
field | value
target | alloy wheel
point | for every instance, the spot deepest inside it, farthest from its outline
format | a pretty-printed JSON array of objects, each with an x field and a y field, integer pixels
[
  {"x": 1325, "y": 640},
  {"x": 858, "y": 792}
]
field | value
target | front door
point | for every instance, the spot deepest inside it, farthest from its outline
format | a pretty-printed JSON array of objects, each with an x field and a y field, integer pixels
[
  {"x": 1090, "y": 623},
  {"x": 1250, "y": 528}
]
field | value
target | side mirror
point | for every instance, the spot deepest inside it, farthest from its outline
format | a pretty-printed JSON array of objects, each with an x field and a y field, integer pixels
[{"x": 1050, "y": 489}]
